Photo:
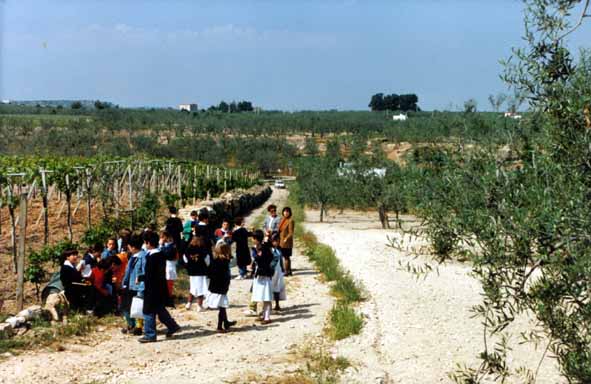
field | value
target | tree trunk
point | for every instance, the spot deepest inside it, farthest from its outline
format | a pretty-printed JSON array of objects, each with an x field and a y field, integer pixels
[
  {"x": 398, "y": 220},
  {"x": 20, "y": 275},
  {"x": 45, "y": 218},
  {"x": 321, "y": 212},
  {"x": 69, "y": 215},
  {"x": 88, "y": 207},
  {"x": 383, "y": 217},
  {"x": 13, "y": 235}
]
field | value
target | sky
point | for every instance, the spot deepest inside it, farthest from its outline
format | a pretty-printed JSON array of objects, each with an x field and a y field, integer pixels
[{"x": 279, "y": 54}]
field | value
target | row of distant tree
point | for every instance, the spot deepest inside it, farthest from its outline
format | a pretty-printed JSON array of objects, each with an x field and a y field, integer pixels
[
  {"x": 233, "y": 107},
  {"x": 394, "y": 102}
]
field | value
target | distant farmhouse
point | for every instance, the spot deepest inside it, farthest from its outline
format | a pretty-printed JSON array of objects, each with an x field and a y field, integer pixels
[
  {"x": 400, "y": 117},
  {"x": 188, "y": 107},
  {"x": 513, "y": 115}
]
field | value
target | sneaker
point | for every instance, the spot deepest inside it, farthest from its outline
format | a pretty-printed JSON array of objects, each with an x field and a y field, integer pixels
[
  {"x": 126, "y": 330},
  {"x": 171, "y": 332},
  {"x": 188, "y": 306},
  {"x": 240, "y": 278},
  {"x": 250, "y": 312},
  {"x": 220, "y": 330},
  {"x": 266, "y": 322},
  {"x": 146, "y": 340},
  {"x": 137, "y": 331},
  {"x": 201, "y": 309}
]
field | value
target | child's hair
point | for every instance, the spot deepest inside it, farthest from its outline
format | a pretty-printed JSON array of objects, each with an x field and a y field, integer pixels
[
  {"x": 258, "y": 235},
  {"x": 275, "y": 236},
  {"x": 194, "y": 214},
  {"x": 271, "y": 207},
  {"x": 69, "y": 252},
  {"x": 222, "y": 251},
  {"x": 136, "y": 241},
  {"x": 113, "y": 239},
  {"x": 151, "y": 238},
  {"x": 97, "y": 247},
  {"x": 238, "y": 221},
  {"x": 172, "y": 210},
  {"x": 115, "y": 260},
  {"x": 165, "y": 235},
  {"x": 203, "y": 214},
  {"x": 198, "y": 241},
  {"x": 105, "y": 264}
]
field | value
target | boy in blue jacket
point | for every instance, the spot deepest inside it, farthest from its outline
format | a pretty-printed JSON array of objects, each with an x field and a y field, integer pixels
[{"x": 132, "y": 285}]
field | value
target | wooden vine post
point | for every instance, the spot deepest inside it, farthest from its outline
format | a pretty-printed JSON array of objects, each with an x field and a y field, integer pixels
[
  {"x": 130, "y": 175},
  {"x": 88, "y": 186},
  {"x": 20, "y": 271},
  {"x": 44, "y": 197},
  {"x": 69, "y": 206},
  {"x": 12, "y": 204}
]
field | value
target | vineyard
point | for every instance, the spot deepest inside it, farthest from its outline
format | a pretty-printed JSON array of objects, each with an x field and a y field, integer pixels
[
  {"x": 505, "y": 201},
  {"x": 45, "y": 202}
]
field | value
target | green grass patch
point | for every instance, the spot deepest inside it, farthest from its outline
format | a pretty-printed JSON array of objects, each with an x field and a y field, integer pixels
[
  {"x": 346, "y": 289},
  {"x": 344, "y": 321},
  {"x": 326, "y": 261}
]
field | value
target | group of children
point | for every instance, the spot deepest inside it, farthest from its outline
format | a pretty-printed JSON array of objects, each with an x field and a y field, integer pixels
[{"x": 135, "y": 274}]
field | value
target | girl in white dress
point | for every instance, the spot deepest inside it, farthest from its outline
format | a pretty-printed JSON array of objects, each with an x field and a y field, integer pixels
[
  {"x": 219, "y": 284},
  {"x": 197, "y": 259},
  {"x": 278, "y": 280},
  {"x": 262, "y": 288}
]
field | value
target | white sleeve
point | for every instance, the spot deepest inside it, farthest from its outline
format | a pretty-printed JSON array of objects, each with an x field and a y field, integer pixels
[
  {"x": 207, "y": 260},
  {"x": 185, "y": 259}
]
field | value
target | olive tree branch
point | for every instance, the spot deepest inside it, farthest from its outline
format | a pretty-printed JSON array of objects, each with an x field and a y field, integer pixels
[{"x": 580, "y": 22}]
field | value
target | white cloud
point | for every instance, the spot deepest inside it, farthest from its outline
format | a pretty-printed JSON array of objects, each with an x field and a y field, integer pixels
[{"x": 228, "y": 34}]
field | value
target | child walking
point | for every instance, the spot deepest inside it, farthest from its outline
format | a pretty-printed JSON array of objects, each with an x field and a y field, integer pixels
[
  {"x": 197, "y": 260},
  {"x": 219, "y": 283},
  {"x": 262, "y": 288},
  {"x": 277, "y": 265},
  {"x": 169, "y": 249}
]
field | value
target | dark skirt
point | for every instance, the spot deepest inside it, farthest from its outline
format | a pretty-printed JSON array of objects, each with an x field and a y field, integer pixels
[
  {"x": 286, "y": 252},
  {"x": 243, "y": 259}
]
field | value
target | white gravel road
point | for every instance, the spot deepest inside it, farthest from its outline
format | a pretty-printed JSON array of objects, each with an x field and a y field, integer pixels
[{"x": 416, "y": 330}]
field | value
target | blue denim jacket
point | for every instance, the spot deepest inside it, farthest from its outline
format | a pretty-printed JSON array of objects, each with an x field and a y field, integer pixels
[
  {"x": 277, "y": 258},
  {"x": 130, "y": 279}
]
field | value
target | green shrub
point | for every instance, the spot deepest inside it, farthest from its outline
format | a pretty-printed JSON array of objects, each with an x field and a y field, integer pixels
[
  {"x": 344, "y": 322},
  {"x": 346, "y": 290}
]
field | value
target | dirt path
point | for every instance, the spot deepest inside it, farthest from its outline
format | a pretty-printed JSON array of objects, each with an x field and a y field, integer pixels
[
  {"x": 197, "y": 354},
  {"x": 416, "y": 331}
]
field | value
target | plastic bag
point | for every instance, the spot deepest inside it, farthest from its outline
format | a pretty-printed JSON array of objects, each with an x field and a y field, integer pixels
[{"x": 137, "y": 308}]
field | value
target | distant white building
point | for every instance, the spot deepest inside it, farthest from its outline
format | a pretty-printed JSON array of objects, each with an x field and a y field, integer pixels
[
  {"x": 400, "y": 117},
  {"x": 513, "y": 115},
  {"x": 188, "y": 107},
  {"x": 5, "y": 101},
  {"x": 346, "y": 169}
]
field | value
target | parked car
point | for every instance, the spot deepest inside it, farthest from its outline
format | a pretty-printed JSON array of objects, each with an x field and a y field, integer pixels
[{"x": 279, "y": 184}]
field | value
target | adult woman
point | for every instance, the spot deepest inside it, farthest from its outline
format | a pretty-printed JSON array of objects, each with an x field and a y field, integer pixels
[{"x": 286, "y": 230}]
